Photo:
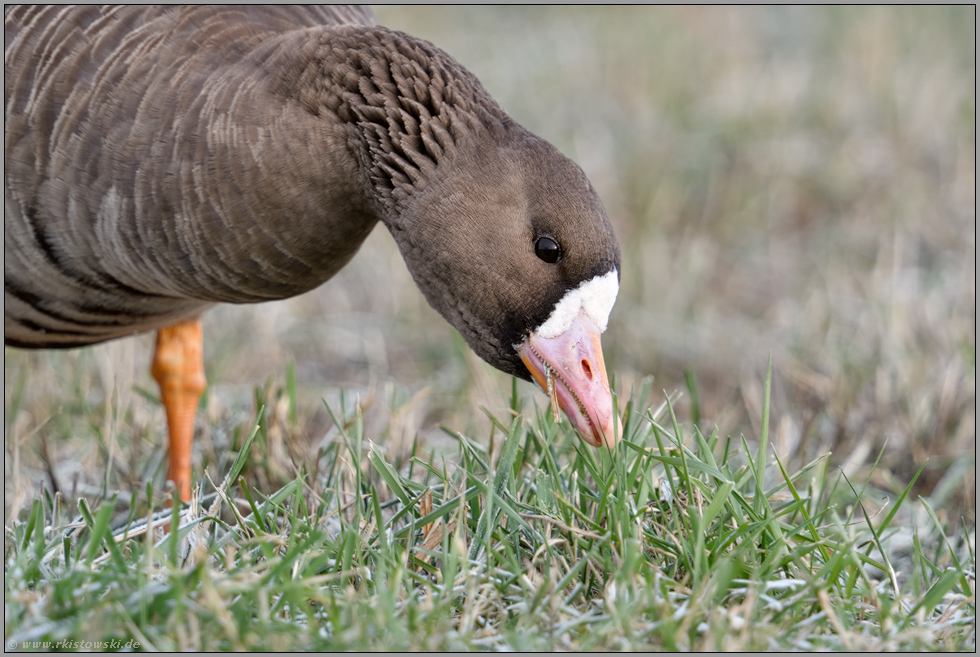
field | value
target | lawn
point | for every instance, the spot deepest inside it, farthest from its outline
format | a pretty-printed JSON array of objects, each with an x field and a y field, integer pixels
[{"x": 794, "y": 191}]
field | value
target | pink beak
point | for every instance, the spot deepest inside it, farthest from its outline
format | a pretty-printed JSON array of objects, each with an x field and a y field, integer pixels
[{"x": 575, "y": 357}]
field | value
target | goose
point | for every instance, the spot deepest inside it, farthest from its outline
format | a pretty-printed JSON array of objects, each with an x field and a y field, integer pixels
[{"x": 161, "y": 160}]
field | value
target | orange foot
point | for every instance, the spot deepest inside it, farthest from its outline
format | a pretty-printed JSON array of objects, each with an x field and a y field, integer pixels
[{"x": 178, "y": 366}]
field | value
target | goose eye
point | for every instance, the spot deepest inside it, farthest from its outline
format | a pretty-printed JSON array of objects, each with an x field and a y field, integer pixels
[{"x": 547, "y": 249}]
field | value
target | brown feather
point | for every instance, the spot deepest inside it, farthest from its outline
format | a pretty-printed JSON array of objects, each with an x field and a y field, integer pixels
[{"x": 159, "y": 160}]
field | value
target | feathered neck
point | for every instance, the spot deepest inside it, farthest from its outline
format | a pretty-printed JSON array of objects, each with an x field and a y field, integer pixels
[{"x": 408, "y": 105}]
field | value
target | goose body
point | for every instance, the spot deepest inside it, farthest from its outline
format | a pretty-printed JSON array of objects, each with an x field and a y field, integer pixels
[{"x": 160, "y": 160}]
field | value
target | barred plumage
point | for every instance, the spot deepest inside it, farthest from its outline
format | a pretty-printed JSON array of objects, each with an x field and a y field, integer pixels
[{"x": 102, "y": 235}]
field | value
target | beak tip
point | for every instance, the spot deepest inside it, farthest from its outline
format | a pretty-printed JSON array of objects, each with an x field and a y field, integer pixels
[{"x": 608, "y": 436}]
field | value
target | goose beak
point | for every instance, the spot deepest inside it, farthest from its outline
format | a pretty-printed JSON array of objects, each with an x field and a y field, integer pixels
[{"x": 574, "y": 358}]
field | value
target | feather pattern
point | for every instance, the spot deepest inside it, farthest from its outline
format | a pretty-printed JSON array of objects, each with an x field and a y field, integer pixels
[{"x": 159, "y": 160}]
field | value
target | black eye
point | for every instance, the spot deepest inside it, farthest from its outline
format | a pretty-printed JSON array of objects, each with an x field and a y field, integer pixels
[{"x": 547, "y": 249}]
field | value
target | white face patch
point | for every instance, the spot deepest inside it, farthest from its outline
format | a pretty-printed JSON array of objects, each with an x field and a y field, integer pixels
[{"x": 596, "y": 296}]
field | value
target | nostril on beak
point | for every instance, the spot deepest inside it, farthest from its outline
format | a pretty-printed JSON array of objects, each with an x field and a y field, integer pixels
[{"x": 587, "y": 369}]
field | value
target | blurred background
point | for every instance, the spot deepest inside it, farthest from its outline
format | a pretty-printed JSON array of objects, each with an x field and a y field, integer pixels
[{"x": 785, "y": 181}]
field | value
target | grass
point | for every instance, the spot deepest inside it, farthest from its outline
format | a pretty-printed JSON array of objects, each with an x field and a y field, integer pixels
[
  {"x": 672, "y": 541},
  {"x": 792, "y": 181}
]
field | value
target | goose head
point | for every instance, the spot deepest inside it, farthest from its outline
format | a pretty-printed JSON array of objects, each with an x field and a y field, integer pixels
[{"x": 510, "y": 243}]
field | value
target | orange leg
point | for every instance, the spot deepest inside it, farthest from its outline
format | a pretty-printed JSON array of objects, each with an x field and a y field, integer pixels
[{"x": 178, "y": 366}]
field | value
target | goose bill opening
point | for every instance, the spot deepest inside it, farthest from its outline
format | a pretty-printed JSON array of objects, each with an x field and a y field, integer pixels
[{"x": 575, "y": 359}]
